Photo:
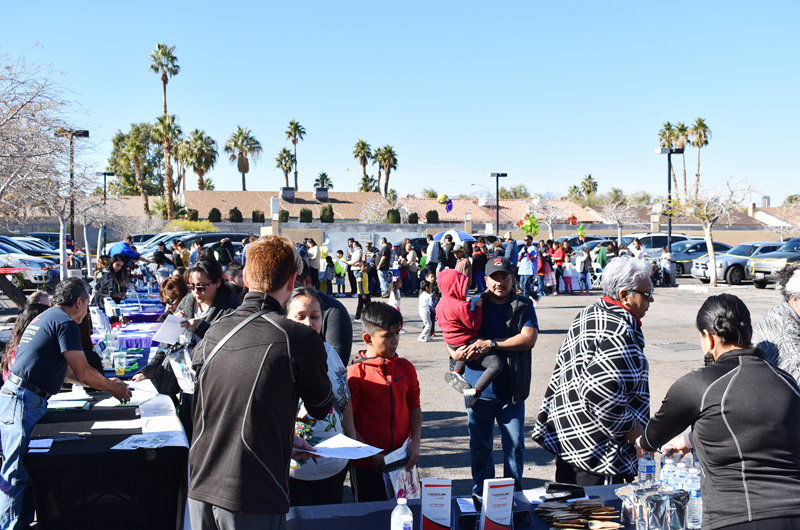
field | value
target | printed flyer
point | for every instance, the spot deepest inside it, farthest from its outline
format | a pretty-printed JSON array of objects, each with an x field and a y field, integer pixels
[
  {"x": 436, "y": 509},
  {"x": 498, "y": 501}
]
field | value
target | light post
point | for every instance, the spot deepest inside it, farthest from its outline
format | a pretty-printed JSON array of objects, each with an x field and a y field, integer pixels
[
  {"x": 669, "y": 151},
  {"x": 497, "y": 176},
  {"x": 72, "y": 134},
  {"x": 102, "y": 237},
  {"x": 354, "y": 177}
]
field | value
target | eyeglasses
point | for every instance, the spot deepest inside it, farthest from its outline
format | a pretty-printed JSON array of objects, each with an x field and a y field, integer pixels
[
  {"x": 647, "y": 294},
  {"x": 169, "y": 301},
  {"x": 199, "y": 288}
]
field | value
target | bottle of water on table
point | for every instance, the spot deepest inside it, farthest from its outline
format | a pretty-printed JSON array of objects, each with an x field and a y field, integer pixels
[
  {"x": 681, "y": 477},
  {"x": 695, "y": 506},
  {"x": 667, "y": 472},
  {"x": 647, "y": 469},
  {"x": 402, "y": 518}
]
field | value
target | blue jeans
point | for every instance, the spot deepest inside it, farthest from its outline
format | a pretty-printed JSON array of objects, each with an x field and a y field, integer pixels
[
  {"x": 526, "y": 284},
  {"x": 541, "y": 285},
  {"x": 511, "y": 421},
  {"x": 20, "y": 409},
  {"x": 480, "y": 281},
  {"x": 385, "y": 277}
]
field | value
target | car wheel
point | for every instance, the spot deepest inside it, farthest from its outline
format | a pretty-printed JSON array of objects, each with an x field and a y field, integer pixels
[
  {"x": 735, "y": 275},
  {"x": 760, "y": 284},
  {"x": 679, "y": 269},
  {"x": 704, "y": 280}
]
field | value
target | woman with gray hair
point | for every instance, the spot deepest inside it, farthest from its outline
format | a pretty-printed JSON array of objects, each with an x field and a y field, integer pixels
[
  {"x": 778, "y": 333},
  {"x": 598, "y": 399}
]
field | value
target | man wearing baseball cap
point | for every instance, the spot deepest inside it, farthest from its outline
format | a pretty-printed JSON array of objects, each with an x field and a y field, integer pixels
[
  {"x": 462, "y": 263},
  {"x": 509, "y": 329}
]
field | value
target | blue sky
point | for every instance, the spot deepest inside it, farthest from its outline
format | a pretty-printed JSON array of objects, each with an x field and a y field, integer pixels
[{"x": 545, "y": 91}]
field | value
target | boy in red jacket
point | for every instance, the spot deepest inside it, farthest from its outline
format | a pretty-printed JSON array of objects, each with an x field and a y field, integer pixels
[
  {"x": 384, "y": 394},
  {"x": 460, "y": 325}
]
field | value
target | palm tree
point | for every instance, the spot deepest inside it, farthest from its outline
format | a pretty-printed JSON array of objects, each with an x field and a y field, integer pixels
[
  {"x": 389, "y": 162},
  {"x": 136, "y": 151},
  {"x": 181, "y": 151},
  {"x": 165, "y": 131},
  {"x": 681, "y": 140},
  {"x": 376, "y": 160},
  {"x": 165, "y": 63},
  {"x": 202, "y": 155},
  {"x": 363, "y": 153},
  {"x": 285, "y": 161},
  {"x": 391, "y": 196},
  {"x": 323, "y": 181},
  {"x": 239, "y": 146},
  {"x": 589, "y": 185},
  {"x": 700, "y": 134},
  {"x": 368, "y": 184},
  {"x": 666, "y": 138},
  {"x": 295, "y": 132},
  {"x": 574, "y": 193}
]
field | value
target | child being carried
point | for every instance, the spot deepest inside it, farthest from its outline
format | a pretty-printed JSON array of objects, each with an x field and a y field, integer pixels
[{"x": 460, "y": 326}]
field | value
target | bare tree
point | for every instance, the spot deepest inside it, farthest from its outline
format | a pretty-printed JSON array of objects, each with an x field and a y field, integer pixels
[
  {"x": 406, "y": 206},
  {"x": 619, "y": 213},
  {"x": 789, "y": 220},
  {"x": 374, "y": 211},
  {"x": 709, "y": 207},
  {"x": 548, "y": 211}
]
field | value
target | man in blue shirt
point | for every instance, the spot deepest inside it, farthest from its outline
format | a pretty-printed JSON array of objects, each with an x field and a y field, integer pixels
[
  {"x": 527, "y": 268},
  {"x": 49, "y": 351},
  {"x": 509, "y": 329},
  {"x": 123, "y": 248}
]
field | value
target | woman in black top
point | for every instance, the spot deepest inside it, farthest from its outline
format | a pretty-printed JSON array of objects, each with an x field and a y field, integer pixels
[
  {"x": 112, "y": 282},
  {"x": 745, "y": 419}
]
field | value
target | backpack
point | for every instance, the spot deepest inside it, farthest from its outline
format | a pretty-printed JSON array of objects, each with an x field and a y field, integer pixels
[{"x": 442, "y": 255}]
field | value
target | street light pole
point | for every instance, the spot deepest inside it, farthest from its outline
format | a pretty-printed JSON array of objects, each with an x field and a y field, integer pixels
[
  {"x": 102, "y": 237},
  {"x": 354, "y": 177},
  {"x": 669, "y": 151},
  {"x": 497, "y": 177},
  {"x": 72, "y": 134}
]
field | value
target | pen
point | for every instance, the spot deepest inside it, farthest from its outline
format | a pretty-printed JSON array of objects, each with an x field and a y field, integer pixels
[{"x": 78, "y": 433}]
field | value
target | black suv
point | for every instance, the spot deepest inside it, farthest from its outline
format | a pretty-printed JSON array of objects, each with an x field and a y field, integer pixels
[{"x": 766, "y": 266}]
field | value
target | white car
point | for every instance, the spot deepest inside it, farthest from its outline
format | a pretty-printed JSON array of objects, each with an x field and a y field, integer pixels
[{"x": 35, "y": 271}]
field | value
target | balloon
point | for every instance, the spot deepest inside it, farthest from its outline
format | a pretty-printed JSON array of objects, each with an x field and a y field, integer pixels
[
  {"x": 442, "y": 199},
  {"x": 530, "y": 225},
  {"x": 581, "y": 231},
  {"x": 449, "y": 206}
]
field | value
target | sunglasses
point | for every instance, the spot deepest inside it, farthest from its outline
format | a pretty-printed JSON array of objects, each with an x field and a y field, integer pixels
[
  {"x": 199, "y": 288},
  {"x": 646, "y": 294}
]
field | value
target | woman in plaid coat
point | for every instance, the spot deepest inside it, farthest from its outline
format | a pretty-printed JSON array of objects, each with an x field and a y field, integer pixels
[{"x": 598, "y": 399}]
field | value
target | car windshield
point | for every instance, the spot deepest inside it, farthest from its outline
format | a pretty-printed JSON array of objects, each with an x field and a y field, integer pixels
[
  {"x": 791, "y": 245},
  {"x": 742, "y": 250},
  {"x": 627, "y": 240},
  {"x": 682, "y": 246}
]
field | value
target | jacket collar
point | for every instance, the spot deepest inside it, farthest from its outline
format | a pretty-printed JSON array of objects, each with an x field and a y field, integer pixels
[
  {"x": 361, "y": 358},
  {"x": 257, "y": 301},
  {"x": 617, "y": 303},
  {"x": 750, "y": 351}
]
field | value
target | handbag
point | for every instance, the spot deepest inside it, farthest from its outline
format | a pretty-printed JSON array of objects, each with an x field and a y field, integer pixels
[{"x": 165, "y": 380}]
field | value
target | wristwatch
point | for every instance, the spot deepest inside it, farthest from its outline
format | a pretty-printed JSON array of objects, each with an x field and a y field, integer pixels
[{"x": 493, "y": 344}]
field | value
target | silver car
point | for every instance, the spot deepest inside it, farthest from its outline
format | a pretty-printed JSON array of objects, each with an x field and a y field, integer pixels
[{"x": 732, "y": 265}]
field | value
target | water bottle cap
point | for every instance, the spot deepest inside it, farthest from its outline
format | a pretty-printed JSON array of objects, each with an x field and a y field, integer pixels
[{"x": 402, "y": 500}]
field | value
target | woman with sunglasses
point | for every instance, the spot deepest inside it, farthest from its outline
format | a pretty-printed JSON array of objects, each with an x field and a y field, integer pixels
[{"x": 210, "y": 298}]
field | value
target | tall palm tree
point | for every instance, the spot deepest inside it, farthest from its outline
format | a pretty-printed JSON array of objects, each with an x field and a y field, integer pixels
[
  {"x": 391, "y": 196},
  {"x": 241, "y": 145},
  {"x": 368, "y": 184},
  {"x": 181, "y": 152},
  {"x": 285, "y": 161},
  {"x": 681, "y": 141},
  {"x": 574, "y": 193},
  {"x": 363, "y": 153},
  {"x": 323, "y": 181},
  {"x": 700, "y": 134},
  {"x": 202, "y": 155},
  {"x": 136, "y": 151},
  {"x": 295, "y": 132},
  {"x": 389, "y": 162},
  {"x": 589, "y": 185},
  {"x": 165, "y": 131},
  {"x": 166, "y": 64},
  {"x": 666, "y": 138},
  {"x": 377, "y": 156}
]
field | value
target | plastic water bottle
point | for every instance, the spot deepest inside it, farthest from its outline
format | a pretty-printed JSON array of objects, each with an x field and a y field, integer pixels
[
  {"x": 681, "y": 476},
  {"x": 402, "y": 518},
  {"x": 667, "y": 472},
  {"x": 647, "y": 469},
  {"x": 695, "y": 506}
]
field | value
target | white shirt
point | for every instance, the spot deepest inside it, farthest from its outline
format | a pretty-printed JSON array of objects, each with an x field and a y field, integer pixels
[{"x": 425, "y": 302}]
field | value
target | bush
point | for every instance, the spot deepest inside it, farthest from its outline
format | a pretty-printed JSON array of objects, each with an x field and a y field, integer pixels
[
  {"x": 413, "y": 218},
  {"x": 192, "y": 215},
  {"x": 235, "y": 215},
  {"x": 190, "y": 226},
  {"x": 432, "y": 217},
  {"x": 306, "y": 216},
  {"x": 283, "y": 216},
  {"x": 393, "y": 216},
  {"x": 258, "y": 216},
  {"x": 326, "y": 214},
  {"x": 215, "y": 216}
]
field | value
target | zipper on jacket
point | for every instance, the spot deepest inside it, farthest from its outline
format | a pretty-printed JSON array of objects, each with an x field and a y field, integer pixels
[{"x": 391, "y": 404}]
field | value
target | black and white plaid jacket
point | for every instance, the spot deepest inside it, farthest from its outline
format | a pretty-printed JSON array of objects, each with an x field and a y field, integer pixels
[{"x": 598, "y": 392}]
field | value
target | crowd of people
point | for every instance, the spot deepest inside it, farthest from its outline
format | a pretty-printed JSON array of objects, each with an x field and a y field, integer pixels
[{"x": 271, "y": 347}]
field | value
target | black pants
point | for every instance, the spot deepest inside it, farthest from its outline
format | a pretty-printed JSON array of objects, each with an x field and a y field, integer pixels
[
  {"x": 431, "y": 267},
  {"x": 374, "y": 282},
  {"x": 314, "y": 277},
  {"x": 363, "y": 300},
  {"x": 569, "y": 474},
  {"x": 317, "y": 492},
  {"x": 493, "y": 367},
  {"x": 368, "y": 485},
  {"x": 351, "y": 277},
  {"x": 559, "y": 275}
]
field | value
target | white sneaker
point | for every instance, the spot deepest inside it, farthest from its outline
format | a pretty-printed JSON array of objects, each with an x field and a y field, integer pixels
[
  {"x": 423, "y": 339},
  {"x": 357, "y": 320},
  {"x": 470, "y": 397},
  {"x": 457, "y": 381}
]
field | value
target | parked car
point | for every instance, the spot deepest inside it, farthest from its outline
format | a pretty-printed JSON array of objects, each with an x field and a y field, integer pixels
[
  {"x": 489, "y": 239},
  {"x": 764, "y": 268},
  {"x": 190, "y": 237},
  {"x": 139, "y": 240},
  {"x": 53, "y": 239},
  {"x": 653, "y": 241},
  {"x": 575, "y": 241},
  {"x": 591, "y": 245},
  {"x": 36, "y": 243},
  {"x": 732, "y": 265},
  {"x": 417, "y": 243},
  {"x": 36, "y": 271},
  {"x": 23, "y": 248},
  {"x": 685, "y": 252}
]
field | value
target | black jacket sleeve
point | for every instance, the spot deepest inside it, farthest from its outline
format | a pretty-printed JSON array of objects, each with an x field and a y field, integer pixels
[
  {"x": 311, "y": 367},
  {"x": 337, "y": 328},
  {"x": 219, "y": 308},
  {"x": 679, "y": 410}
]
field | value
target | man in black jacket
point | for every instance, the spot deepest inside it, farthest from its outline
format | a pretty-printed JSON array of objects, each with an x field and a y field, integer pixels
[{"x": 246, "y": 399}]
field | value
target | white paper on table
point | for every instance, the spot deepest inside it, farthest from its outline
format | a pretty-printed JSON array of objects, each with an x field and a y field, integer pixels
[
  {"x": 119, "y": 424},
  {"x": 43, "y": 443},
  {"x": 171, "y": 330},
  {"x": 340, "y": 446},
  {"x": 147, "y": 441},
  {"x": 534, "y": 496},
  {"x": 77, "y": 393},
  {"x": 466, "y": 505},
  {"x": 145, "y": 385},
  {"x": 161, "y": 424},
  {"x": 137, "y": 398}
]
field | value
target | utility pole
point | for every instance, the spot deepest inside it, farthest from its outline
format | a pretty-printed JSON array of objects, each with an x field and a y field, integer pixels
[{"x": 497, "y": 176}]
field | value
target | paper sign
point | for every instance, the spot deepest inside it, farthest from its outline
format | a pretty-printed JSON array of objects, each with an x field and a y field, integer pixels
[
  {"x": 170, "y": 331},
  {"x": 120, "y": 424},
  {"x": 340, "y": 446},
  {"x": 436, "y": 503},
  {"x": 498, "y": 499}
]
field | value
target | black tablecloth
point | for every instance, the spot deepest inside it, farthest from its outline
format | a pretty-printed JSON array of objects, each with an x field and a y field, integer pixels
[
  {"x": 84, "y": 484},
  {"x": 377, "y": 515}
]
